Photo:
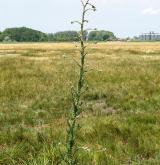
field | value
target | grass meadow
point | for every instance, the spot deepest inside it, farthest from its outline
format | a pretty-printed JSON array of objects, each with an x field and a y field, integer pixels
[{"x": 121, "y": 122}]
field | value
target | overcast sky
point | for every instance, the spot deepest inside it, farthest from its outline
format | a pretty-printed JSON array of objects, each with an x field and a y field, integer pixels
[{"x": 123, "y": 17}]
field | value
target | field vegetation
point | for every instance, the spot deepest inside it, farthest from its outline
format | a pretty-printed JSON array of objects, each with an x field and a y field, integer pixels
[{"x": 121, "y": 123}]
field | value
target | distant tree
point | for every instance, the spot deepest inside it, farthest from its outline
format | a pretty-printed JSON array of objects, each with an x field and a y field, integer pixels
[
  {"x": 65, "y": 36},
  {"x": 50, "y": 37},
  {"x": 23, "y": 34},
  {"x": 7, "y": 39},
  {"x": 1, "y": 38},
  {"x": 43, "y": 38},
  {"x": 101, "y": 36}
]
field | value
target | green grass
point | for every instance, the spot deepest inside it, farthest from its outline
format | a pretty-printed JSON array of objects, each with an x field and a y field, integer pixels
[{"x": 121, "y": 123}]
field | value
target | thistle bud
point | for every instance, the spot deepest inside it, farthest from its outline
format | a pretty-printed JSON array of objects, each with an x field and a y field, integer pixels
[{"x": 94, "y": 8}]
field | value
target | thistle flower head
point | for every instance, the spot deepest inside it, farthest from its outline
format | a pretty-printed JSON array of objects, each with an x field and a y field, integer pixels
[{"x": 94, "y": 8}]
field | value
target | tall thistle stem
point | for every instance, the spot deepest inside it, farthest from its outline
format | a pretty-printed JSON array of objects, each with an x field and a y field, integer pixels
[{"x": 71, "y": 145}]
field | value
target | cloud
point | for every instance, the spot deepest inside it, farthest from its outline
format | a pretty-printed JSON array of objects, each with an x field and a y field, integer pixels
[{"x": 151, "y": 11}]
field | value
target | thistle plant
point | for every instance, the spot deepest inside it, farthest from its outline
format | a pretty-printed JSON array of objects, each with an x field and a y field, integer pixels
[{"x": 77, "y": 90}]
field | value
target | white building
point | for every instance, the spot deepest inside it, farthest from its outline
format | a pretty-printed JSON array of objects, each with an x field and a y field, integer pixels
[{"x": 150, "y": 36}]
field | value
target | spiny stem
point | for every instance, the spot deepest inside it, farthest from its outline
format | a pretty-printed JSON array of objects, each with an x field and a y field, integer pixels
[{"x": 71, "y": 146}]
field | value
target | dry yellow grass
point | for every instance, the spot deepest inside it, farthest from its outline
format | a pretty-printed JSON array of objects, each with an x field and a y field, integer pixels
[{"x": 122, "y": 103}]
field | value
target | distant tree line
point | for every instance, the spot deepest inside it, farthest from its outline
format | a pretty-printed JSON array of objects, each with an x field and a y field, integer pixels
[{"x": 24, "y": 34}]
